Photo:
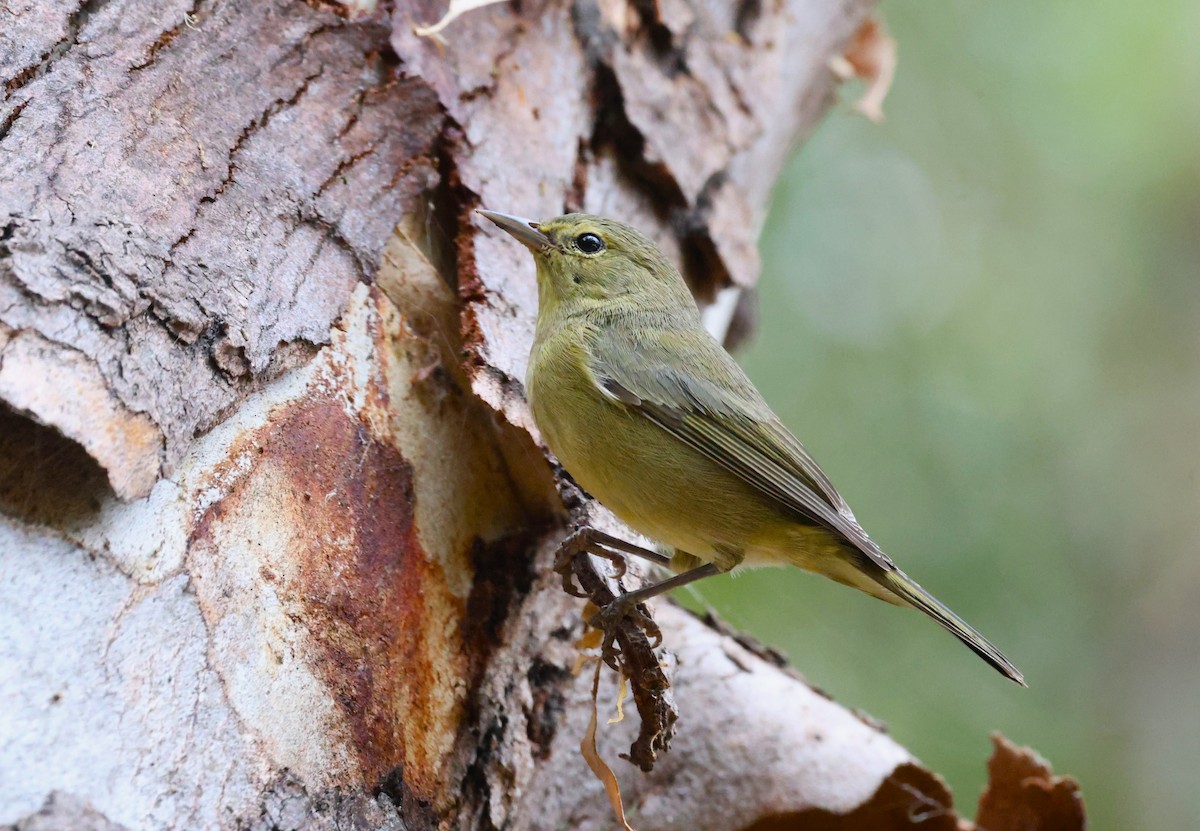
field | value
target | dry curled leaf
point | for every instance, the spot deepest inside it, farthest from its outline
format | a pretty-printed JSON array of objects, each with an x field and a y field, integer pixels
[
  {"x": 1023, "y": 794},
  {"x": 592, "y": 756},
  {"x": 628, "y": 649},
  {"x": 591, "y": 639},
  {"x": 456, "y": 9},
  {"x": 871, "y": 56},
  {"x": 622, "y": 693}
]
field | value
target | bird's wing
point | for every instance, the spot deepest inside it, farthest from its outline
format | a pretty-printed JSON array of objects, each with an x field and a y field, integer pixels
[{"x": 670, "y": 381}]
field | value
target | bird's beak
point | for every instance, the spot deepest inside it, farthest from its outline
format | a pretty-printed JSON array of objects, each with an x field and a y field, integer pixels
[{"x": 525, "y": 231}]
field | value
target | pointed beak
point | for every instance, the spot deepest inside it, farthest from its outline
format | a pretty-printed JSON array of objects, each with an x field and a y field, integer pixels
[{"x": 525, "y": 231}]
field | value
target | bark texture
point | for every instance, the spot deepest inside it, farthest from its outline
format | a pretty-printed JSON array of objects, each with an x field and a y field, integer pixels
[{"x": 275, "y": 524}]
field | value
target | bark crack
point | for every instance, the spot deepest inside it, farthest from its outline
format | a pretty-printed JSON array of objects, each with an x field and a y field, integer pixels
[
  {"x": 256, "y": 124},
  {"x": 488, "y": 88},
  {"x": 75, "y": 22},
  {"x": 260, "y": 121},
  {"x": 165, "y": 39},
  {"x": 11, "y": 119},
  {"x": 332, "y": 234},
  {"x": 342, "y": 166}
]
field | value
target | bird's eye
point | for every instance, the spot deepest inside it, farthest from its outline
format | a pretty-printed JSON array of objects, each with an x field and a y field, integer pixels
[{"x": 589, "y": 243}]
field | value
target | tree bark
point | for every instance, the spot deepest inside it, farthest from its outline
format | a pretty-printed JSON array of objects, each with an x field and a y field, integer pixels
[{"x": 275, "y": 524}]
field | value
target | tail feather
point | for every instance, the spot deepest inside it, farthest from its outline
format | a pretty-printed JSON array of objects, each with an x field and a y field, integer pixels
[{"x": 912, "y": 593}]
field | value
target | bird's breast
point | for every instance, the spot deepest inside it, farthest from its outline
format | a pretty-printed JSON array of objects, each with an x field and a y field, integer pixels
[{"x": 658, "y": 485}]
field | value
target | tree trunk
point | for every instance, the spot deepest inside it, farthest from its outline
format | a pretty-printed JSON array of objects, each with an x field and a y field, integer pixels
[{"x": 275, "y": 525}]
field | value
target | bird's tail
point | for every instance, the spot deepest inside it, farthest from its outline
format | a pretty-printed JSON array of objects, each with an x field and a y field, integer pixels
[{"x": 911, "y": 593}]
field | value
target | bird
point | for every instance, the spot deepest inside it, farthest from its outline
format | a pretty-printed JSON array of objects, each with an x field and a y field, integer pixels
[{"x": 648, "y": 413}]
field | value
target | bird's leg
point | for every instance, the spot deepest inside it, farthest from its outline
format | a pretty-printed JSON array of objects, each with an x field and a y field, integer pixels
[
  {"x": 586, "y": 540},
  {"x": 602, "y": 545},
  {"x": 627, "y": 604},
  {"x": 628, "y": 601}
]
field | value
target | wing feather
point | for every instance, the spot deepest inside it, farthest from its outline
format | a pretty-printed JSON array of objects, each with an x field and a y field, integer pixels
[{"x": 728, "y": 422}]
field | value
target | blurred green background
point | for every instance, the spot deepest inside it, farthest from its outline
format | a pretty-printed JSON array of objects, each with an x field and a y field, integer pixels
[{"x": 983, "y": 318}]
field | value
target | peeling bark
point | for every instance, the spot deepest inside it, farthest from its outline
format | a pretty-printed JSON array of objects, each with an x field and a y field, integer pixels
[
  {"x": 187, "y": 209},
  {"x": 276, "y": 528}
]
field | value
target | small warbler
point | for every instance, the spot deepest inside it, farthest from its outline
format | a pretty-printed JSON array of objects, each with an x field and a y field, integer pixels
[{"x": 652, "y": 416}]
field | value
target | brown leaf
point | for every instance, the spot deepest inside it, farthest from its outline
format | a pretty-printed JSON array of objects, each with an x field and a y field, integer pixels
[
  {"x": 871, "y": 56},
  {"x": 591, "y": 639},
  {"x": 599, "y": 767},
  {"x": 1023, "y": 794}
]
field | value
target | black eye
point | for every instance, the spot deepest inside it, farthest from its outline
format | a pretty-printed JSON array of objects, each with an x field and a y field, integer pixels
[{"x": 589, "y": 243}]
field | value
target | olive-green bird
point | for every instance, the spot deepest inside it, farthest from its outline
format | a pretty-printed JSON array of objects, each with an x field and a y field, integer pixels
[{"x": 652, "y": 416}]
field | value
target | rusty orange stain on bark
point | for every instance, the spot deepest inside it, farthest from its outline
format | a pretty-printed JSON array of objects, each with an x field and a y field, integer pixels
[
  {"x": 386, "y": 629},
  {"x": 365, "y": 611},
  {"x": 310, "y": 553}
]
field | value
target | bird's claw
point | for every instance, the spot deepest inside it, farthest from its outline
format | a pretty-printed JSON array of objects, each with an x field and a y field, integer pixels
[
  {"x": 564, "y": 567},
  {"x": 579, "y": 543},
  {"x": 609, "y": 619}
]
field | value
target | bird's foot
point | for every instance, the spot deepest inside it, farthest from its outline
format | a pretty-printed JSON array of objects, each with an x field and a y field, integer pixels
[
  {"x": 564, "y": 567},
  {"x": 581, "y": 541},
  {"x": 626, "y": 607}
]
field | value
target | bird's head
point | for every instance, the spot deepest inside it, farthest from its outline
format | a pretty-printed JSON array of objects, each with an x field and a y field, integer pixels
[{"x": 586, "y": 261}]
